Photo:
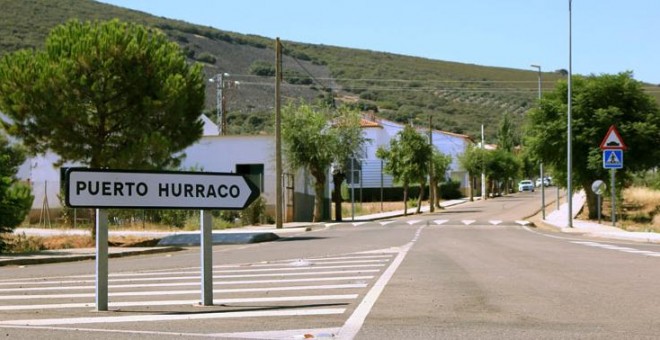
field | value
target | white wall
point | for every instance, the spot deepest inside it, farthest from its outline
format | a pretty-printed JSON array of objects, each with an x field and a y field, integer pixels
[{"x": 222, "y": 153}]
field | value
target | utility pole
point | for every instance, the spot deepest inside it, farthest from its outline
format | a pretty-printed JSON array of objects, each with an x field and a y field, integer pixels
[
  {"x": 483, "y": 166},
  {"x": 278, "y": 136}
]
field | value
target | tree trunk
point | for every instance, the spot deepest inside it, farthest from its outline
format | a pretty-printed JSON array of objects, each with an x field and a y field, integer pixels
[
  {"x": 421, "y": 197},
  {"x": 432, "y": 197},
  {"x": 436, "y": 193},
  {"x": 337, "y": 180},
  {"x": 318, "y": 201},
  {"x": 319, "y": 185},
  {"x": 471, "y": 189},
  {"x": 592, "y": 201},
  {"x": 405, "y": 199}
]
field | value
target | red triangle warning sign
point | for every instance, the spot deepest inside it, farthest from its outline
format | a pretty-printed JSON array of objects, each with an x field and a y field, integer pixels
[{"x": 613, "y": 140}]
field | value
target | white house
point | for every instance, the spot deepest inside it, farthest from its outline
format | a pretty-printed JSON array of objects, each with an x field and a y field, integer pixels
[{"x": 379, "y": 132}]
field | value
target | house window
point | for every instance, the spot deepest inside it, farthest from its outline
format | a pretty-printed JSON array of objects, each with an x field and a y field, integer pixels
[{"x": 255, "y": 172}]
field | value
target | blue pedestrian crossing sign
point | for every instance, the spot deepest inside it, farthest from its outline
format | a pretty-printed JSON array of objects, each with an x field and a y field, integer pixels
[{"x": 613, "y": 159}]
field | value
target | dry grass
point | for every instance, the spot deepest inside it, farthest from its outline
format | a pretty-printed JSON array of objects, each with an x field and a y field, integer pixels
[
  {"x": 367, "y": 208},
  {"x": 29, "y": 244},
  {"x": 641, "y": 209}
]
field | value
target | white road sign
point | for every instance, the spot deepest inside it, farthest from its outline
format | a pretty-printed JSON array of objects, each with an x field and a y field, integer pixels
[{"x": 97, "y": 188}]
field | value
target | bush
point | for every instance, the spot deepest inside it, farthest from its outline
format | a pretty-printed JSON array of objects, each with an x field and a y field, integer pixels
[
  {"x": 254, "y": 213},
  {"x": 206, "y": 58},
  {"x": 262, "y": 68},
  {"x": 297, "y": 78},
  {"x": 450, "y": 190}
]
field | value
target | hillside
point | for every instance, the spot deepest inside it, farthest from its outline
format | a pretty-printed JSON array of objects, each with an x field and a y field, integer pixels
[{"x": 460, "y": 97}]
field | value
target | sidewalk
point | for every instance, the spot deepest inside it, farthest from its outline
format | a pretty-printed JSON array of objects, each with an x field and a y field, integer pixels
[{"x": 558, "y": 219}]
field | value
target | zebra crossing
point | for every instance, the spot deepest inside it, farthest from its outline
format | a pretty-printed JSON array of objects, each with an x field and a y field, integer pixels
[
  {"x": 437, "y": 222},
  {"x": 299, "y": 288},
  {"x": 618, "y": 248}
]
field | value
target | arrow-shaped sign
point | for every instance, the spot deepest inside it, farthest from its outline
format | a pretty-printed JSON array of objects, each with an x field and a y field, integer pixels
[{"x": 98, "y": 188}]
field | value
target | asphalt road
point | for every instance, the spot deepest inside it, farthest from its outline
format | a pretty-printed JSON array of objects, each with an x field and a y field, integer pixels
[{"x": 471, "y": 271}]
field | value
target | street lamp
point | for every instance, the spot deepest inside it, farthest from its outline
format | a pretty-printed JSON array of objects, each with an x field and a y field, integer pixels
[
  {"x": 569, "y": 145},
  {"x": 538, "y": 67}
]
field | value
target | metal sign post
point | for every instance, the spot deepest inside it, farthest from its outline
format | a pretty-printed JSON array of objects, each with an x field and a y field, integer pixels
[
  {"x": 613, "y": 147},
  {"x": 598, "y": 187},
  {"x": 101, "y": 260},
  {"x": 206, "y": 247}
]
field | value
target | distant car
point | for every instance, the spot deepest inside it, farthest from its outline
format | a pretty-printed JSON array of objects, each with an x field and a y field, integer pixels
[
  {"x": 526, "y": 185},
  {"x": 546, "y": 182}
]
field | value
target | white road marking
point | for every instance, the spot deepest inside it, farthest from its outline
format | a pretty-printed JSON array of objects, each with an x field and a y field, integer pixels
[
  {"x": 219, "y": 277},
  {"x": 495, "y": 222},
  {"x": 411, "y": 222},
  {"x": 322, "y": 333},
  {"x": 182, "y": 284},
  {"x": 357, "y": 224},
  {"x": 171, "y": 317},
  {"x": 440, "y": 221},
  {"x": 296, "y": 268},
  {"x": 184, "y": 302},
  {"x": 386, "y": 222},
  {"x": 275, "y": 272},
  {"x": 618, "y": 248},
  {"x": 352, "y": 326},
  {"x": 185, "y": 292},
  {"x": 468, "y": 222}
]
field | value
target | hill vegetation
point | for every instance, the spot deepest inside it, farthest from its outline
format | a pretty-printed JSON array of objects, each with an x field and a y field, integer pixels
[{"x": 460, "y": 97}]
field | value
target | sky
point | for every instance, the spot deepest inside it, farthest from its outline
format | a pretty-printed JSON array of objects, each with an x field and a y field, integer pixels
[{"x": 607, "y": 36}]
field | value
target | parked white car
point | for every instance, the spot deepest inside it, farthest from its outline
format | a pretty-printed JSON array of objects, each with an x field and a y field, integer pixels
[
  {"x": 526, "y": 185},
  {"x": 546, "y": 182}
]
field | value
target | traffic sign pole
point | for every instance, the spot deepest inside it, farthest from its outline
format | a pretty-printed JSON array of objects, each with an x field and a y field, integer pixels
[
  {"x": 613, "y": 172},
  {"x": 101, "y": 260},
  {"x": 206, "y": 246}
]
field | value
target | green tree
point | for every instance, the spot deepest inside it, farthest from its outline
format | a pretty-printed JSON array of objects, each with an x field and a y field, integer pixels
[
  {"x": 598, "y": 103},
  {"x": 349, "y": 142},
  {"x": 441, "y": 164},
  {"x": 501, "y": 166},
  {"x": 15, "y": 198},
  {"x": 104, "y": 94},
  {"x": 407, "y": 159},
  {"x": 473, "y": 160},
  {"x": 506, "y": 134},
  {"x": 316, "y": 137}
]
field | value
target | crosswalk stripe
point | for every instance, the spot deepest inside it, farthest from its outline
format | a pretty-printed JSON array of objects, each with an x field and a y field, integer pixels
[
  {"x": 185, "y": 302},
  {"x": 185, "y": 292},
  {"x": 172, "y": 317},
  {"x": 192, "y": 283},
  {"x": 219, "y": 277}
]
